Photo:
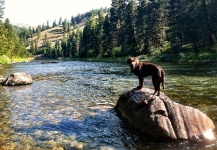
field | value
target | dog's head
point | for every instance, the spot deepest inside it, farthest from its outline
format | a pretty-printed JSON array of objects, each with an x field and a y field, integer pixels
[{"x": 133, "y": 63}]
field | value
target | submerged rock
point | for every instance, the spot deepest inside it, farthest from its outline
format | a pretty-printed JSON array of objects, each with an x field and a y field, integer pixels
[
  {"x": 18, "y": 78},
  {"x": 1, "y": 79},
  {"x": 161, "y": 117}
]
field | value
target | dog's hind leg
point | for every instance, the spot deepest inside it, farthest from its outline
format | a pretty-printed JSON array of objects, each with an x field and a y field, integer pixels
[{"x": 154, "y": 81}]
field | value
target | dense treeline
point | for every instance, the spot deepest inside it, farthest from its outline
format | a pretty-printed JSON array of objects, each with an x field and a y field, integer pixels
[
  {"x": 10, "y": 43},
  {"x": 75, "y": 21},
  {"x": 141, "y": 26},
  {"x": 132, "y": 27},
  {"x": 135, "y": 27},
  {"x": 71, "y": 44}
]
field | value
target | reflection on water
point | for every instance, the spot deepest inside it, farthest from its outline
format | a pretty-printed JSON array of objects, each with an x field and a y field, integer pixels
[{"x": 70, "y": 105}]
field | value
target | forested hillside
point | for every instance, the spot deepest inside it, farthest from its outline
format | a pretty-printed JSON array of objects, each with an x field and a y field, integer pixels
[
  {"x": 129, "y": 27},
  {"x": 141, "y": 27}
]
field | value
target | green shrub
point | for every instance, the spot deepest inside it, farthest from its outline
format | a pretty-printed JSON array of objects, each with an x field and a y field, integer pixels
[
  {"x": 4, "y": 60},
  {"x": 115, "y": 52},
  {"x": 91, "y": 53}
]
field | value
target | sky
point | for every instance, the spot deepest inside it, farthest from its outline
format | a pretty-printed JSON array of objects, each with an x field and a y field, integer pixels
[{"x": 37, "y": 12}]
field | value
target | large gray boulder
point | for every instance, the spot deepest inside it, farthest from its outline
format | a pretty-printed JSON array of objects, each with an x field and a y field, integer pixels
[
  {"x": 158, "y": 116},
  {"x": 18, "y": 78}
]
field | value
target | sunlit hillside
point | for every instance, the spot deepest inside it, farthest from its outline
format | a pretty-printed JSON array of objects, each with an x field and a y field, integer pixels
[{"x": 53, "y": 35}]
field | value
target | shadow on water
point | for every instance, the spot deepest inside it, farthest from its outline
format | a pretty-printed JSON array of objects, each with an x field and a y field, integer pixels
[
  {"x": 104, "y": 129},
  {"x": 190, "y": 69},
  {"x": 101, "y": 131}
]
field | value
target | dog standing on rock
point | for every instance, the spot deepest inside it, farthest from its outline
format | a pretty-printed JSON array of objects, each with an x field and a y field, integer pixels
[{"x": 144, "y": 69}]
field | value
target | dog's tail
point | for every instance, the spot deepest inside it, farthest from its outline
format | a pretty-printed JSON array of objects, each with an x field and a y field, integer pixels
[{"x": 163, "y": 78}]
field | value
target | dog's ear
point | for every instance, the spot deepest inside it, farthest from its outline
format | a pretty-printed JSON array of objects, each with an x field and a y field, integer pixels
[{"x": 129, "y": 60}]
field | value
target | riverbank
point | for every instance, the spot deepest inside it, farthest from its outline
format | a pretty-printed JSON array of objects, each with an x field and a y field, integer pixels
[
  {"x": 182, "y": 57},
  {"x": 6, "y": 60},
  {"x": 90, "y": 59}
]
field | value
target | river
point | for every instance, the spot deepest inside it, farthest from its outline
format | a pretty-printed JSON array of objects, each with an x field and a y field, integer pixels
[{"x": 70, "y": 105}]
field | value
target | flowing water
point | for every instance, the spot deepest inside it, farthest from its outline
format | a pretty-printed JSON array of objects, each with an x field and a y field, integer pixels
[{"x": 70, "y": 105}]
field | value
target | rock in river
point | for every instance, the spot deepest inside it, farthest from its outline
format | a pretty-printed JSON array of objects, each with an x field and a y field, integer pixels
[
  {"x": 161, "y": 117},
  {"x": 18, "y": 78}
]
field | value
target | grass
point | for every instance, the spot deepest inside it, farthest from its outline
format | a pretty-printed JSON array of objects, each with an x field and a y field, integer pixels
[
  {"x": 18, "y": 59},
  {"x": 101, "y": 59},
  {"x": 187, "y": 55},
  {"x": 4, "y": 60},
  {"x": 53, "y": 35}
]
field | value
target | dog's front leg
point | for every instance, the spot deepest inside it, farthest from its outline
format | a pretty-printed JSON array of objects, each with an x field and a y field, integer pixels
[{"x": 141, "y": 80}]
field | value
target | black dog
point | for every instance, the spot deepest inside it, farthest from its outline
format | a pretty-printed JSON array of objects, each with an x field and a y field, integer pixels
[{"x": 144, "y": 69}]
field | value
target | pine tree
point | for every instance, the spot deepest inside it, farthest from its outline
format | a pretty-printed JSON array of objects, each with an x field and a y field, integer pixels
[
  {"x": 89, "y": 39},
  {"x": 12, "y": 38},
  {"x": 38, "y": 32},
  {"x": 54, "y": 53},
  {"x": 68, "y": 27},
  {"x": 60, "y": 21},
  {"x": 30, "y": 33},
  {"x": 64, "y": 46},
  {"x": 48, "y": 25},
  {"x": 114, "y": 24},
  {"x": 107, "y": 37},
  {"x": 36, "y": 48},
  {"x": 129, "y": 28},
  {"x": 65, "y": 26},
  {"x": 32, "y": 47},
  {"x": 48, "y": 49},
  {"x": 154, "y": 25},
  {"x": 212, "y": 7},
  {"x": 121, "y": 18},
  {"x": 23, "y": 53},
  {"x": 33, "y": 30},
  {"x": 78, "y": 42},
  {"x": 190, "y": 26},
  {"x": 175, "y": 32},
  {"x": 142, "y": 11},
  {"x": 54, "y": 24},
  {"x": 73, "y": 21},
  {"x": 3, "y": 39},
  {"x": 99, "y": 33},
  {"x": 45, "y": 40},
  {"x": 73, "y": 44},
  {"x": 57, "y": 48},
  {"x": 207, "y": 30},
  {"x": 43, "y": 27}
]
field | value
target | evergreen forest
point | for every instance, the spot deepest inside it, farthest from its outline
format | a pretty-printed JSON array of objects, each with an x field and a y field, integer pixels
[
  {"x": 127, "y": 28},
  {"x": 11, "y": 45}
]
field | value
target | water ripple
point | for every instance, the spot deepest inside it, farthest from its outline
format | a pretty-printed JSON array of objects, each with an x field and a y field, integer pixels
[{"x": 70, "y": 106}]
